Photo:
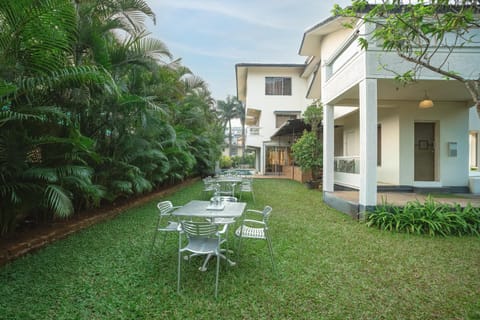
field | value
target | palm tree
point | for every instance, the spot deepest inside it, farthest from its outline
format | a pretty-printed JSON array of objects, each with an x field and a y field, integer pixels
[
  {"x": 228, "y": 110},
  {"x": 42, "y": 171},
  {"x": 241, "y": 114}
]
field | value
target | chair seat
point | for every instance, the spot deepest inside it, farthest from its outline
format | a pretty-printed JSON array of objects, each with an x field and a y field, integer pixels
[
  {"x": 224, "y": 220},
  {"x": 250, "y": 232},
  {"x": 201, "y": 246},
  {"x": 171, "y": 226}
]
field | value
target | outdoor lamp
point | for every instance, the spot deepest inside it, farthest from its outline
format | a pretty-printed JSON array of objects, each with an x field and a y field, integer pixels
[{"x": 426, "y": 102}]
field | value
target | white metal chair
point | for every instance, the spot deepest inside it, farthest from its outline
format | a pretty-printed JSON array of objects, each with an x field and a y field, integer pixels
[
  {"x": 247, "y": 186},
  {"x": 165, "y": 222},
  {"x": 223, "y": 222},
  {"x": 204, "y": 238},
  {"x": 209, "y": 185},
  {"x": 225, "y": 188},
  {"x": 256, "y": 229}
]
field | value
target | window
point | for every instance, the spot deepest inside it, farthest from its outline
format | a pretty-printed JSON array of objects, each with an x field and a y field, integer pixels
[
  {"x": 280, "y": 119},
  {"x": 379, "y": 145},
  {"x": 278, "y": 86}
]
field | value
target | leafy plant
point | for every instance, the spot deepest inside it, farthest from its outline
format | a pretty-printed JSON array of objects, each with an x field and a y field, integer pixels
[
  {"x": 431, "y": 217},
  {"x": 226, "y": 162},
  {"x": 307, "y": 151}
]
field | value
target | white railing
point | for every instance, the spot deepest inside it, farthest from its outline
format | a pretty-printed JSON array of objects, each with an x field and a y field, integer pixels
[
  {"x": 347, "y": 164},
  {"x": 343, "y": 55},
  {"x": 253, "y": 131}
]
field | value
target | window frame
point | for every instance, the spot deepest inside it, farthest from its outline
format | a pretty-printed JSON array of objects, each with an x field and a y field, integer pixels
[{"x": 278, "y": 86}]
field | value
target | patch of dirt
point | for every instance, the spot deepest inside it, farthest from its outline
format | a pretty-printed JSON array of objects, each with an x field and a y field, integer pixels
[{"x": 30, "y": 238}]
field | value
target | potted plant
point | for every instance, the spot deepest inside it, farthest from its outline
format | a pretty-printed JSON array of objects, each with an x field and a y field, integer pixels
[{"x": 307, "y": 151}]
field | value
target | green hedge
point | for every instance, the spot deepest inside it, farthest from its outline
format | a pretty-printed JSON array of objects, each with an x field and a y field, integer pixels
[{"x": 431, "y": 217}]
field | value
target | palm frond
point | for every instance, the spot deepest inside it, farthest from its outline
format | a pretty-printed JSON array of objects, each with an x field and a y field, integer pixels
[
  {"x": 70, "y": 77},
  {"x": 58, "y": 200}
]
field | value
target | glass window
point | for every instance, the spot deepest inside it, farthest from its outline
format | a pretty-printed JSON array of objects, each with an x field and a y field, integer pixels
[{"x": 278, "y": 86}]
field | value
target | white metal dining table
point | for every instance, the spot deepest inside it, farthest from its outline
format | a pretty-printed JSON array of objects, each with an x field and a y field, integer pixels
[{"x": 205, "y": 209}]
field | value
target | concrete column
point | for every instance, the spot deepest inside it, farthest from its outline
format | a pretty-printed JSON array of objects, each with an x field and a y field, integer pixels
[
  {"x": 477, "y": 147},
  {"x": 328, "y": 148},
  {"x": 368, "y": 143}
]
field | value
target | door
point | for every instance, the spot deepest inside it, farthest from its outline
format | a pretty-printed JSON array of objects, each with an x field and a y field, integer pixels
[
  {"x": 276, "y": 159},
  {"x": 424, "y": 151}
]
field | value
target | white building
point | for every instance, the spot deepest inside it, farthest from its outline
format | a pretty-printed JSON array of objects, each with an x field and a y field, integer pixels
[
  {"x": 272, "y": 94},
  {"x": 386, "y": 140},
  {"x": 376, "y": 135}
]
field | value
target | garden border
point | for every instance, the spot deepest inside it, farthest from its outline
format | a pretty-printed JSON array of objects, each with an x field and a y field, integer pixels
[{"x": 34, "y": 239}]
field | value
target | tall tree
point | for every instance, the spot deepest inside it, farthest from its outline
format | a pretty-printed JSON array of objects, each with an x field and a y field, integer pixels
[
  {"x": 241, "y": 114},
  {"x": 420, "y": 32},
  {"x": 228, "y": 110}
]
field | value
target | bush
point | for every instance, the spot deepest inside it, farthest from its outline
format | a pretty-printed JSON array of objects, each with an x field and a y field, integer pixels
[
  {"x": 226, "y": 162},
  {"x": 248, "y": 159},
  {"x": 431, "y": 218}
]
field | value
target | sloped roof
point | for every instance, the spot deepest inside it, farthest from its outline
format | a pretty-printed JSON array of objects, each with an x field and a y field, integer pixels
[{"x": 294, "y": 127}]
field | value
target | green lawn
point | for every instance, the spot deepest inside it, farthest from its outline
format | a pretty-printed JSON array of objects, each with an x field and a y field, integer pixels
[{"x": 328, "y": 267}]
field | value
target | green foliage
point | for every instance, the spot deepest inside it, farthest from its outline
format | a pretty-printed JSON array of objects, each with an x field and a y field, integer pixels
[
  {"x": 86, "y": 117},
  {"x": 430, "y": 217},
  {"x": 313, "y": 115},
  {"x": 307, "y": 152},
  {"x": 248, "y": 159},
  {"x": 226, "y": 162}
]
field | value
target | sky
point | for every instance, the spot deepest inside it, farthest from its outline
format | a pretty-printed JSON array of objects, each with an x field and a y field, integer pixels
[{"x": 211, "y": 36}]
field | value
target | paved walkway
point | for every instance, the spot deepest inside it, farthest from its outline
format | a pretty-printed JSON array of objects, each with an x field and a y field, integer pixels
[{"x": 400, "y": 198}]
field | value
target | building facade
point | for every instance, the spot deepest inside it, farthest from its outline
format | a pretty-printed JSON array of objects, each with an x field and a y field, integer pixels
[{"x": 272, "y": 94}]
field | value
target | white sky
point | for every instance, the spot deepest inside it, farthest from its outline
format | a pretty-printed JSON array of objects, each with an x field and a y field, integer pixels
[{"x": 211, "y": 36}]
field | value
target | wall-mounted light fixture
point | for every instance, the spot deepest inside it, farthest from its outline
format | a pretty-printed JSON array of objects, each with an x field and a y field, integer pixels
[{"x": 426, "y": 102}]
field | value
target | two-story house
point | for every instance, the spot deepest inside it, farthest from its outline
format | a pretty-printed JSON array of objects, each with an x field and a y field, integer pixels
[
  {"x": 393, "y": 136},
  {"x": 272, "y": 94},
  {"x": 378, "y": 134}
]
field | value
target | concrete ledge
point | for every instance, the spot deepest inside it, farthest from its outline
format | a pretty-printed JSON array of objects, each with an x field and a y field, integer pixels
[
  {"x": 474, "y": 184},
  {"x": 345, "y": 206}
]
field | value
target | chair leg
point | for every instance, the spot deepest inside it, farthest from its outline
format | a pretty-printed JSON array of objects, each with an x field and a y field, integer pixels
[
  {"x": 153, "y": 242},
  {"x": 179, "y": 263},
  {"x": 155, "y": 235},
  {"x": 216, "y": 277},
  {"x": 239, "y": 246},
  {"x": 271, "y": 252},
  {"x": 164, "y": 239}
]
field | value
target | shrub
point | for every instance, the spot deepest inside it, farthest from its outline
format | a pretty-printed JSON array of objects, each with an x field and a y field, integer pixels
[
  {"x": 431, "y": 218},
  {"x": 226, "y": 162}
]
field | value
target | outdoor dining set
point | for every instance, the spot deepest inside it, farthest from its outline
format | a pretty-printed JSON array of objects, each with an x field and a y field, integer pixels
[{"x": 202, "y": 226}]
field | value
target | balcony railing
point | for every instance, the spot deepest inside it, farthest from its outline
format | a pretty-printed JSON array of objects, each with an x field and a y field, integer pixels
[
  {"x": 253, "y": 131},
  {"x": 347, "y": 164}
]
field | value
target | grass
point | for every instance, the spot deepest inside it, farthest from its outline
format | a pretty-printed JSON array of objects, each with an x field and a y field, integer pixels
[{"x": 328, "y": 267}]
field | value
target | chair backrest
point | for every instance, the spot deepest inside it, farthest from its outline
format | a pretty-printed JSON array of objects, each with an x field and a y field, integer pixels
[
  {"x": 165, "y": 207},
  {"x": 266, "y": 213},
  {"x": 199, "y": 229},
  {"x": 224, "y": 187}
]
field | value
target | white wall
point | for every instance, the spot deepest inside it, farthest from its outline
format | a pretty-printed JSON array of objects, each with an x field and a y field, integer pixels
[
  {"x": 397, "y": 122},
  {"x": 388, "y": 172},
  {"x": 474, "y": 120},
  {"x": 257, "y": 99},
  {"x": 452, "y": 121}
]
